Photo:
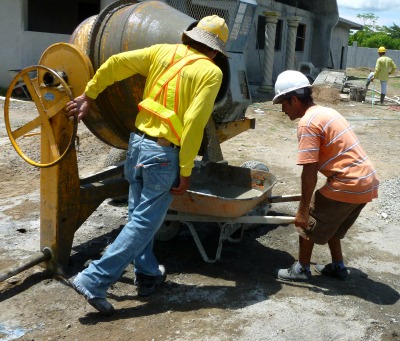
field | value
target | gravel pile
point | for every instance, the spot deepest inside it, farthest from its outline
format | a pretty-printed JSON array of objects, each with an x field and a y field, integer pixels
[{"x": 389, "y": 200}]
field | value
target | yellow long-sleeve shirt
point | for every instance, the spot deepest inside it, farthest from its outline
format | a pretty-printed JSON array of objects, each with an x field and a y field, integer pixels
[
  {"x": 383, "y": 68},
  {"x": 198, "y": 89}
]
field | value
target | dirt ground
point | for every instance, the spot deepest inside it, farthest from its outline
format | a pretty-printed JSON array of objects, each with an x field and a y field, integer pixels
[{"x": 236, "y": 298}]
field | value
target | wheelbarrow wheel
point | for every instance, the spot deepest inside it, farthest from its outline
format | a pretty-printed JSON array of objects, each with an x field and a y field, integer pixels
[
  {"x": 168, "y": 231},
  {"x": 263, "y": 208},
  {"x": 255, "y": 165}
]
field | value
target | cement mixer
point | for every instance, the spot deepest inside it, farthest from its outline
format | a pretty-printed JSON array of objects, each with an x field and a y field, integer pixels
[{"x": 62, "y": 72}]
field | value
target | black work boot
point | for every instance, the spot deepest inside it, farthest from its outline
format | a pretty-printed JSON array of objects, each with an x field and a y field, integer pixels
[
  {"x": 147, "y": 285},
  {"x": 382, "y": 98}
]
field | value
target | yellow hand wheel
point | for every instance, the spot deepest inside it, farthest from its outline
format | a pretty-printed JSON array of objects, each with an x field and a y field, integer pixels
[{"x": 50, "y": 93}]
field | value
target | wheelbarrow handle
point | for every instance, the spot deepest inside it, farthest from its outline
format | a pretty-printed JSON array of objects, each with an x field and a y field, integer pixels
[
  {"x": 238, "y": 220},
  {"x": 283, "y": 198}
]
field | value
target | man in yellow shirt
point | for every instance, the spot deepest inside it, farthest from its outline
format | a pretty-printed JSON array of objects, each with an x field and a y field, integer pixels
[
  {"x": 182, "y": 83},
  {"x": 384, "y": 67}
]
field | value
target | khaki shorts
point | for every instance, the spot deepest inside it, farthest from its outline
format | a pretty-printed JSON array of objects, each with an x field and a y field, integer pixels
[{"x": 330, "y": 218}]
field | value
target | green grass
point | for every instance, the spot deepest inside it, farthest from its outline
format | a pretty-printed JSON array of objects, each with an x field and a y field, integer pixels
[{"x": 358, "y": 73}]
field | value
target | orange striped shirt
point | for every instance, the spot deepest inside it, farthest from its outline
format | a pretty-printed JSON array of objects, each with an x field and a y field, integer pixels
[{"x": 327, "y": 138}]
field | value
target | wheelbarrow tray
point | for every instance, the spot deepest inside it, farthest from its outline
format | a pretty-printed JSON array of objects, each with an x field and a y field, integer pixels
[{"x": 222, "y": 190}]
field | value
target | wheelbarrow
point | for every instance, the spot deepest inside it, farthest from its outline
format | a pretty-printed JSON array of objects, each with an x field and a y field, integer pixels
[{"x": 226, "y": 195}]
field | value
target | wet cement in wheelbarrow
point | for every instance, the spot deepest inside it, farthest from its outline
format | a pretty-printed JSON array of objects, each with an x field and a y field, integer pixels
[{"x": 228, "y": 192}]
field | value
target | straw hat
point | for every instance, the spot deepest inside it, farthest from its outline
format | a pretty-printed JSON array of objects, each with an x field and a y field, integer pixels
[{"x": 211, "y": 31}]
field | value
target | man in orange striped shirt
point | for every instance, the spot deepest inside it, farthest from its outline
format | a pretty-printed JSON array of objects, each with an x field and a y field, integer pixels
[{"x": 327, "y": 144}]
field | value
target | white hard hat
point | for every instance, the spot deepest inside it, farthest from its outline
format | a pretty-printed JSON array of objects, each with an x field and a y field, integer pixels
[{"x": 289, "y": 81}]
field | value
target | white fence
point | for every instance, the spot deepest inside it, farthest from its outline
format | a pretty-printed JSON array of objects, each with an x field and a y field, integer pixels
[{"x": 366, "y": 57}]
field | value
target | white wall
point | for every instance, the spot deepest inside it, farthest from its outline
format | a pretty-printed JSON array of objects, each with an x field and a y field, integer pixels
[
  {"x": 366, "y": 57},
  {"x": 20, "y": 48},
  {"x": 339, "y": 46}
]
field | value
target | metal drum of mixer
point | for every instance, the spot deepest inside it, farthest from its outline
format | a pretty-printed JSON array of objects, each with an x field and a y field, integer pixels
[{"x": 125, "y": 26}]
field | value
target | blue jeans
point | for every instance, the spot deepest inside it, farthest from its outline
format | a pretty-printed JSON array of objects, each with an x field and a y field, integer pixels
[
  {"x": 383, "y": 87},
  {"x": 151, "y": 171},
  {"x": 383, "y": 84}
]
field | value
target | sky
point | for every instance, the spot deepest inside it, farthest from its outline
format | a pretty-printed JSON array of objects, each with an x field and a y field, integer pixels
[{"x": 387, "y": 11}]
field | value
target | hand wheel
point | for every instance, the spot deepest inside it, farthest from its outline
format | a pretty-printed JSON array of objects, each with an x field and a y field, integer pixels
[{"x": 50, "y": 93}]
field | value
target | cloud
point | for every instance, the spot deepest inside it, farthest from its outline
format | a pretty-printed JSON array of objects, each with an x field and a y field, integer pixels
[
  {"x": 386, "y": 10},
  {"x": 368, "y": 5}
]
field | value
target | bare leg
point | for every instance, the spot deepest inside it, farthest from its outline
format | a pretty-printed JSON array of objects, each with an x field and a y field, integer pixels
[
  {"x": 335, "y": 269},
  {"x": 305, "y": 251},
  {"x": 335, "y": 247},
  {"x": 299, "y": 271}
]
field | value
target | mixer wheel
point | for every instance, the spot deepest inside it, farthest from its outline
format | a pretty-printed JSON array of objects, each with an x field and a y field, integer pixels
[{"x": 50, "y": 99}]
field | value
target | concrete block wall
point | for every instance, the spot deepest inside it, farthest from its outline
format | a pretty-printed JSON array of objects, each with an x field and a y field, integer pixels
[{"x": 366, "y": 57}]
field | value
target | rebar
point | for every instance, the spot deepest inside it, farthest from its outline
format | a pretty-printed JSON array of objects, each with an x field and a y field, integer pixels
[{"x": 37, "y": 258}]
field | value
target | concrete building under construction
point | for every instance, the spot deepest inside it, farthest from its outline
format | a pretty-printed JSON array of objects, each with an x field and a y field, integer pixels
[{"x": 266, "y": 36}]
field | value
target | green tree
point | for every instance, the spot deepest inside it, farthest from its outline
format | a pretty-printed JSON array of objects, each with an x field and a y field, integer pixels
[
  {"x": 381, "y": 39},
  {"x": 393, "y": 31},
  {"x": 368, "y": 20},
  {"x": 373, "y": 35}
]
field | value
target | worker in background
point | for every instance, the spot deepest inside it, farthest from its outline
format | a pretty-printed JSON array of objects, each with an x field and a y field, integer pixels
[
  {"x": 326, "y": 144},
  {"x": 181, "y": 87},
  {"x": 384, "y": 67}
]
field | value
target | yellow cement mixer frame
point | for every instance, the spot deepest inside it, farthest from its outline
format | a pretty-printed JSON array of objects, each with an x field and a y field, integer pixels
[{"x": 66, "y": 200}]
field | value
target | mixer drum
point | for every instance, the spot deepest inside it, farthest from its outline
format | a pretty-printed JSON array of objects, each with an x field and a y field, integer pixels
[{"x": 124, "y": 26}]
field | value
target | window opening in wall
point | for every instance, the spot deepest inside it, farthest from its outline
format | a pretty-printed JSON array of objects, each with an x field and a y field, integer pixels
[
  {"x": 59, "y": 16},
  {"x": 278, "y": 36},
  {"x": 342, "y": 58},
  {"x": 261, "y": 34},
  {"x": 300, "y": 37}
]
